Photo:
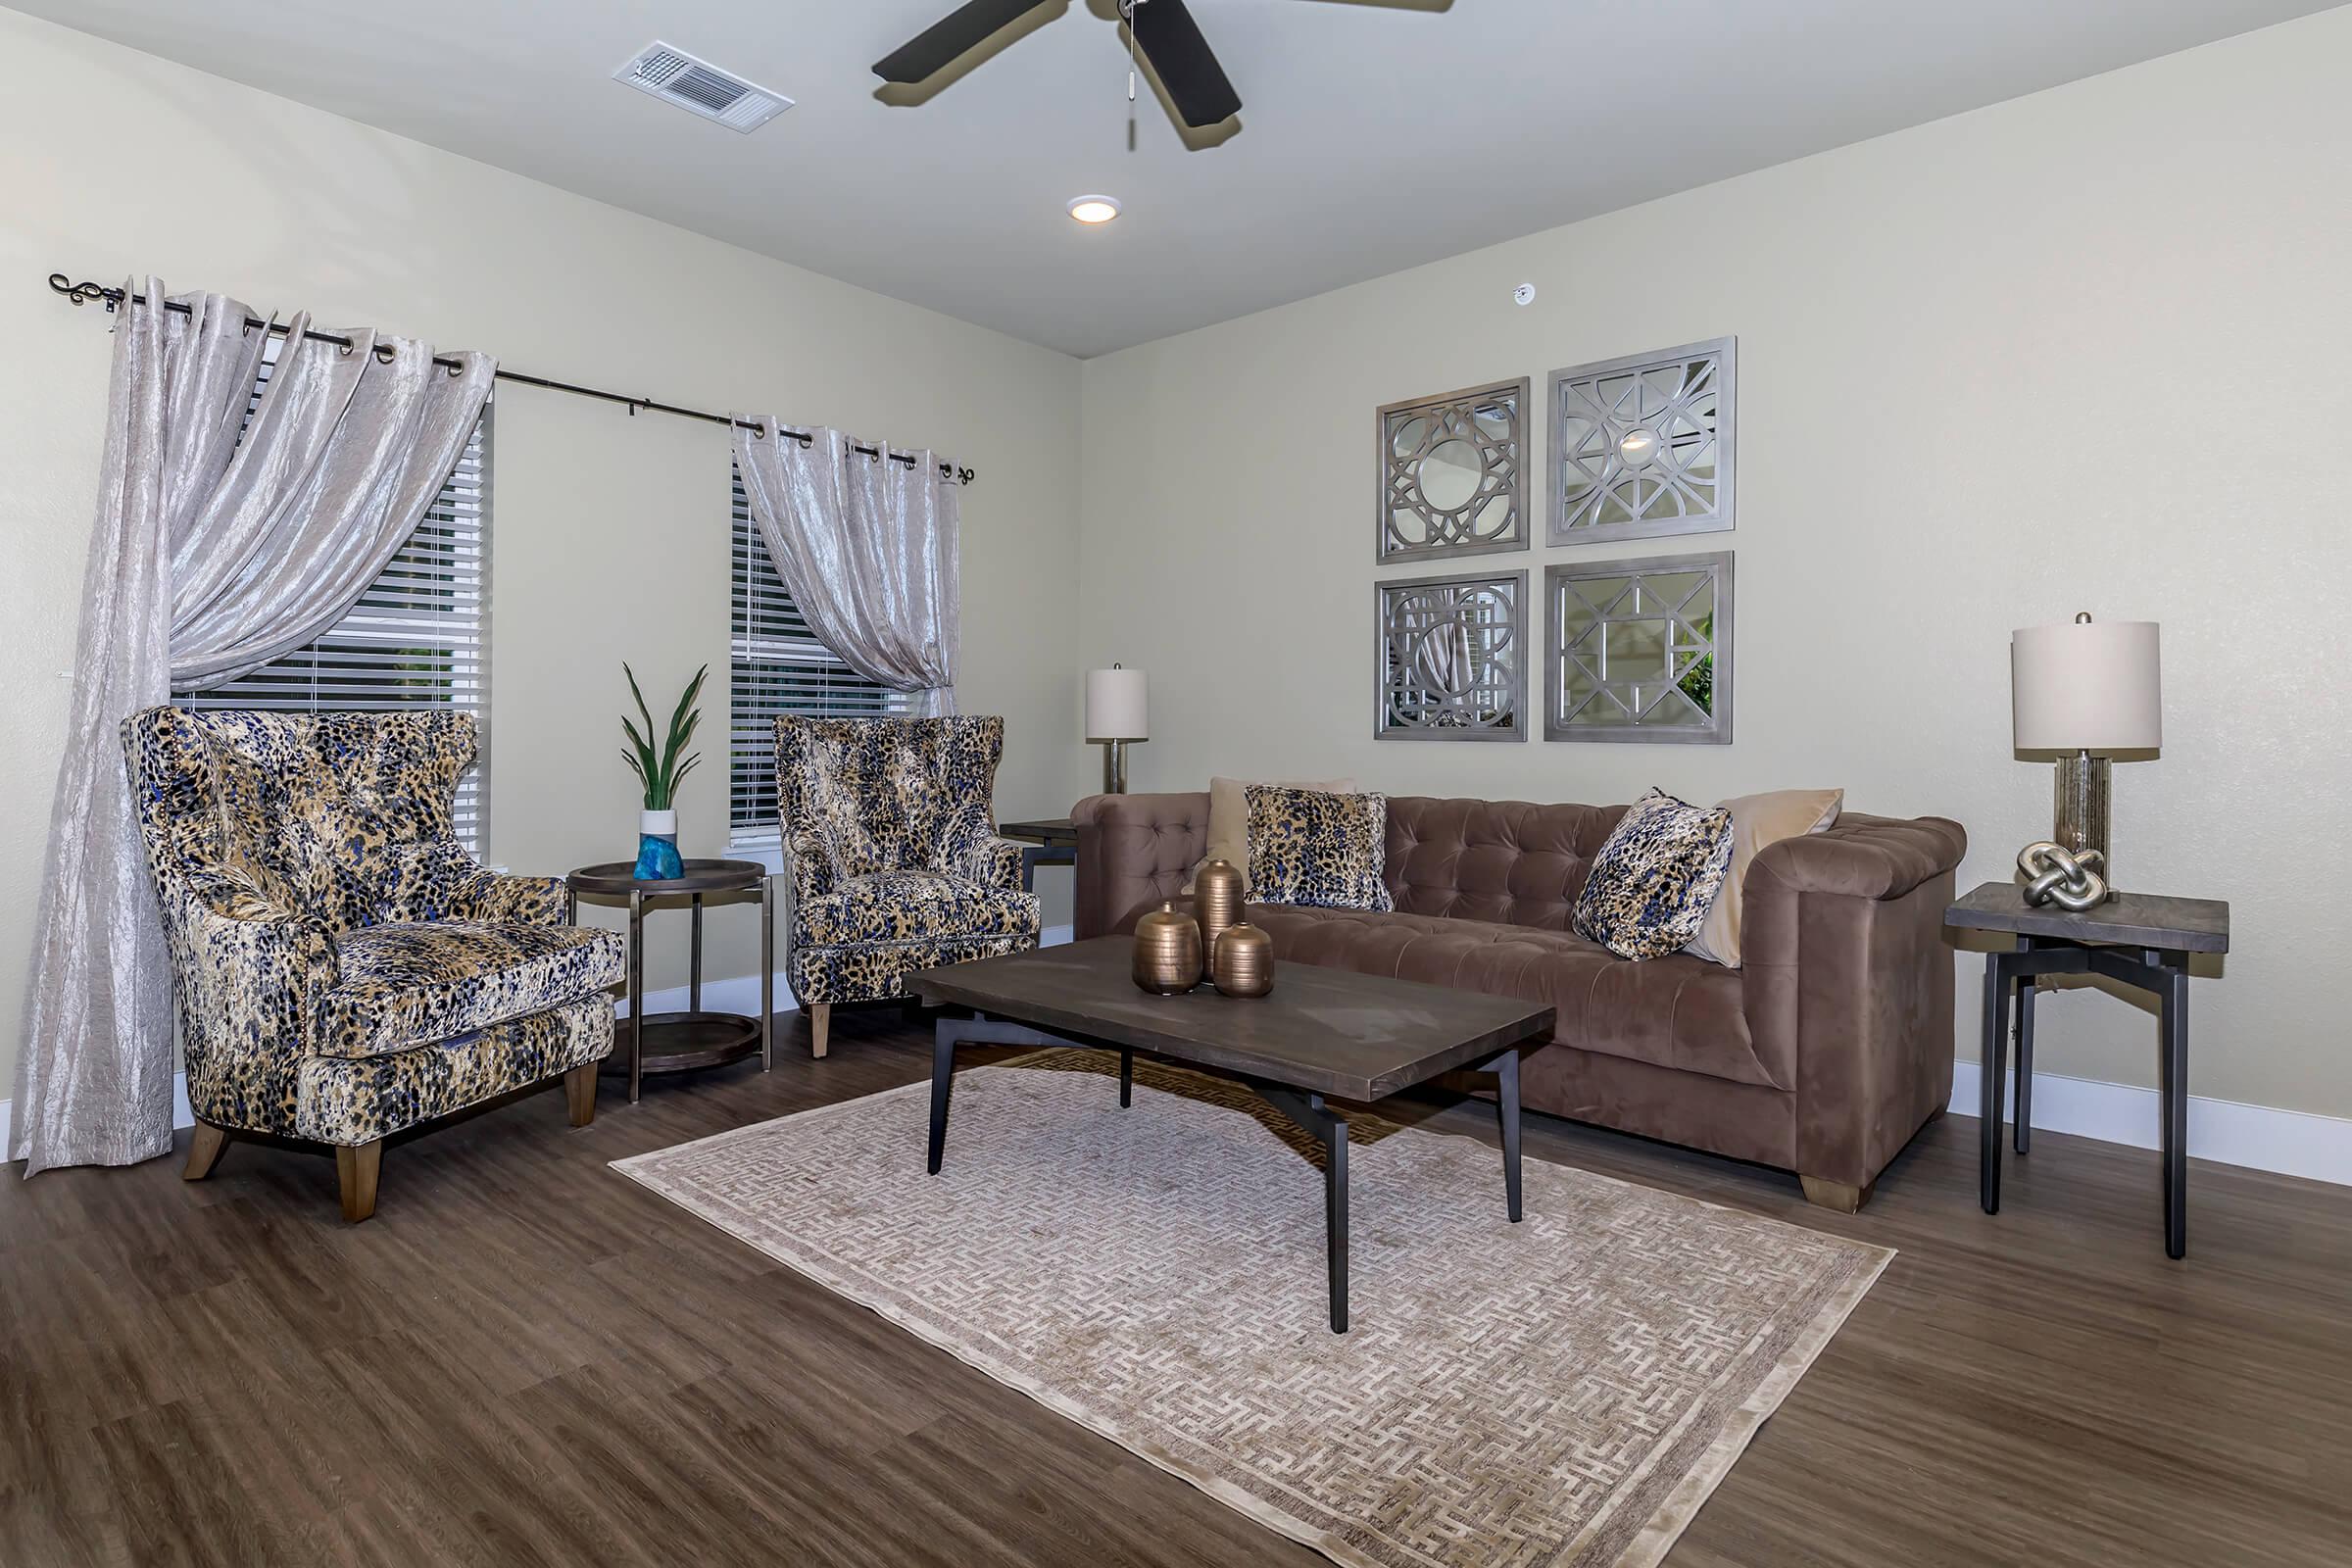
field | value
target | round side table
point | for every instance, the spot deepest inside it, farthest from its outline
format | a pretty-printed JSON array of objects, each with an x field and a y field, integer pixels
[{"x": 674, "y": 1042}]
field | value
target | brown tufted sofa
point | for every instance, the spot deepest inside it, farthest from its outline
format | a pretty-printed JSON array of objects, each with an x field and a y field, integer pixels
[{"x": 1822, "y": 1055}]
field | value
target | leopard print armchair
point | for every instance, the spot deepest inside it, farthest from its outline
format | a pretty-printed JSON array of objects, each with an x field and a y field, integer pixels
[
  {"x": 343, "y": 967},
  {"x": 896, "y": 866}
]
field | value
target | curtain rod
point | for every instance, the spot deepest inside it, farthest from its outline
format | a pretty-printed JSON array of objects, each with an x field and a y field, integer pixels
[{"x": 84, "y": 293}]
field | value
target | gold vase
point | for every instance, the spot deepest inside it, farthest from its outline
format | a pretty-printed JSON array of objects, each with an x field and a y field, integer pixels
[
  {"x": 1167, "y": 951},
  {"x": 1216, "y": 901},
  {"x": 1242, "y": 964}
]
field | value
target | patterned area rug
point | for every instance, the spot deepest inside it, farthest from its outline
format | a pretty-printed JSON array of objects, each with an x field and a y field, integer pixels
[{"x": 1562, "y": 1392}]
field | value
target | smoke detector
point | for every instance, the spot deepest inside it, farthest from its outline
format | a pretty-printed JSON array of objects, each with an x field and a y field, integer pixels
[{"x": 700, "y": 87}]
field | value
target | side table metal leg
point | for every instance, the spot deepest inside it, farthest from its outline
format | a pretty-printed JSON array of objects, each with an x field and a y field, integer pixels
[
  {"x": 694, "y": 963},
  {"x": 2026, "y": 986},
  {"x": 1126, "y": 1079},
  {"x": 1990, "y": 1070},
  {"x": 767, "y": 972},
  {"x": 942, "y": 1074},
  {"x": 2175, "y": 1027},
  {"x": 636, "y": 993}
]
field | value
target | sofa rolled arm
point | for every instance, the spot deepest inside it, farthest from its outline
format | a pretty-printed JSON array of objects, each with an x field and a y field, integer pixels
[
  {"x": 1849, "y": 983},
  {"x": 1134, "y": 850},
  {"x": 1862, "y": 857}
]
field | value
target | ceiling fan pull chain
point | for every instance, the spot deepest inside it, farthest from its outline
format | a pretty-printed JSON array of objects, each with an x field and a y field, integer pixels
[{"x": 1128, "y": 8}]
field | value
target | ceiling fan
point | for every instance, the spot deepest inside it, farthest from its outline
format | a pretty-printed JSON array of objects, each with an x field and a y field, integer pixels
[{"x": 1163, "y": 32}]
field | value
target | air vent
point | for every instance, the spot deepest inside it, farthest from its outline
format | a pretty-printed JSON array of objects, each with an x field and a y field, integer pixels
[{"x": 701, "y": 87}]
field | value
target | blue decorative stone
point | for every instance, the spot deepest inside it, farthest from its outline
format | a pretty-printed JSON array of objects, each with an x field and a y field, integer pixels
[{"x": 658, "y": 858}]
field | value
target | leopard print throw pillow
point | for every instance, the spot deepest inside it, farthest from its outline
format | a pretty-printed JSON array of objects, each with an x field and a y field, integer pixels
[
  {"x": 1306, "y": 846},
  {"x": 1655, "y": 880}
]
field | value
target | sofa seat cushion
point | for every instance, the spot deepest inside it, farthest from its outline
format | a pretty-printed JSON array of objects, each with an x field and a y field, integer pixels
[
  {"x": 1675, "y": 1011},
  {"x": 913, "y": 906},
  {"x": 407, "y": 985}
]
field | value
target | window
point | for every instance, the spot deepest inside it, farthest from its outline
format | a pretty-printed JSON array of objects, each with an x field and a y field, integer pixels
[
  {"x": 417, "y": 637},
  {"x": 777, "y": 667}
]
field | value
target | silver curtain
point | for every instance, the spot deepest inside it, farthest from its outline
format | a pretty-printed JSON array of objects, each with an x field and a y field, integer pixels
[
  {"x": 220, "y": 544},
  {"x": 867, "y": 546}
]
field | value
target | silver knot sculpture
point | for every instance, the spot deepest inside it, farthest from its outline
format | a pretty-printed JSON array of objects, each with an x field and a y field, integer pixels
[{"x": 2055, "y": 874}]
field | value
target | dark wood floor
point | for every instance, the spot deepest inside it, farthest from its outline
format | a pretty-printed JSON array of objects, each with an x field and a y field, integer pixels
[{"x": 527, "y": 1359}]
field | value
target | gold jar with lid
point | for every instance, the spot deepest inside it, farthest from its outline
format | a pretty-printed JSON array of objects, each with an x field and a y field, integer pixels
[
  {"x": 1242, "y": 964},
  {"x": 1167, "y": 951},
  {"x": 1216, "y": 901}
]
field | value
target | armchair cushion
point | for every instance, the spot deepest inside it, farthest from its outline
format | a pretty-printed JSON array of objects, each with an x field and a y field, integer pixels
[
  {"x": 911, "y": 906},
  {"x": 407, "y": 985},
  {"x": 321, "y": 810}
]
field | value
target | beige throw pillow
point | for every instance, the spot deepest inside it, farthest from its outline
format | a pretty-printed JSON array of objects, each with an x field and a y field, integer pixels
[
  {"x": 1758, "y": 821},
  {"x": 1228, "y": 818}
]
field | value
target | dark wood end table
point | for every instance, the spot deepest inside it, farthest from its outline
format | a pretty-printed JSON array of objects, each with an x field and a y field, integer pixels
[
  {"x": 2137, "y": 939},
  {"x": 675, "y": 1042},
  {"x": 1322, "y": 1034},
  {"x": 1050, "y": 841}
]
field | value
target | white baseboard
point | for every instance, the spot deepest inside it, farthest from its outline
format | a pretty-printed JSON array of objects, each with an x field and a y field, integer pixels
[
  {"x": 2291, "y": 1143},
  {"x": 741, "y": 993}
]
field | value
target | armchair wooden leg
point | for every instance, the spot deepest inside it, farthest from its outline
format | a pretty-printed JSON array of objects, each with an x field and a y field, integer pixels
[
  {"x": 1843, "y": 1197},
  {"x": 820, "y": 1023},
  {"x": 579, "y": 1090},
  {"x": 357, "y": 1169},
  {"x": 205, "y": 1153}
]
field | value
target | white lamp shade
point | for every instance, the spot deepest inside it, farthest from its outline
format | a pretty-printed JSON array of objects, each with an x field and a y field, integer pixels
[
  {"x": 1119, "y": 705},
  {"x": 2088, "y": 686}
]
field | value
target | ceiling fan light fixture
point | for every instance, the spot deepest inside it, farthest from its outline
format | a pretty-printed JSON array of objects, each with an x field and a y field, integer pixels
[{"x": 1094, "y": 210}]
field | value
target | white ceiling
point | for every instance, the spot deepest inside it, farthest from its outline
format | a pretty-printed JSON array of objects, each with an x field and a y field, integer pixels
[{"x": 1375, "y": 135}]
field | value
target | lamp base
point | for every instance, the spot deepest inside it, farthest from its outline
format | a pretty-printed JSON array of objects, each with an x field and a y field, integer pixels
[
  {"x": 1115, "y": 767},
  {"x": 2078, "y": 811}
]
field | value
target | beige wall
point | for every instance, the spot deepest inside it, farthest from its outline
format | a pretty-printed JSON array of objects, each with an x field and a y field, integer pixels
[
  {"x": 113, "y": 162},
  {"x": 2084, "y": 349}
]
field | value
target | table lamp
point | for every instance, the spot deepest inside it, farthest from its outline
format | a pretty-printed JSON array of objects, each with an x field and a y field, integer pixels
[
  {"x": 2085, "y": 691},
  {"x": 1118, "y": 702}
]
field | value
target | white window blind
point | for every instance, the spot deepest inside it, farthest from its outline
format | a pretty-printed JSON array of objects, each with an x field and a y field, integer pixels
[
  {"x": 419, "y": 637},
  {"x": 778, "y": 667}
]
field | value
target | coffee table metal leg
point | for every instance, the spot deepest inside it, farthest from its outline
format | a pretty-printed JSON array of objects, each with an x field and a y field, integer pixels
[
  {"x": 943, "y": 1073},
  {"x": 1505, "y": 1070},
  {"x": 1126, "y": 1079},
  {"x": 1335, "y": 1209}
]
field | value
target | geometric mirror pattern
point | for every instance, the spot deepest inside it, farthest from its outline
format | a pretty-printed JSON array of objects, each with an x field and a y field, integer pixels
[
  {"x": 1448, "y": 657},
  {"x": 1642, "y": 446},
  {"x": 1453, "y": 473},
  {"x": 1640, "y": 650}
]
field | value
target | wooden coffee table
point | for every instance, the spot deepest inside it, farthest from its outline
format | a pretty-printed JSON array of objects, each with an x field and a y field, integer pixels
[{"x": 1324, "y": 1034}]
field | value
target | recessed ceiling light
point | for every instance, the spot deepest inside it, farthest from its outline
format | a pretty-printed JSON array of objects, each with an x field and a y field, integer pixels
[{"x": 1094, "y": 209}]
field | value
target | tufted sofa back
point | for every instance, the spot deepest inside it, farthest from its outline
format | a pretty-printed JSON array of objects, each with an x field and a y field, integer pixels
[{"x": 1506, "y": 862}]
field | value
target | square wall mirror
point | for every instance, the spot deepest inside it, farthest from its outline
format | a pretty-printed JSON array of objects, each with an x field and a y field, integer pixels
[
  {"x": 1640, "y": 650},
  {"x": 1449, "y": 660},
  {"x": 1642, "y": 446},
  {"x": 1453, "y": 473}
]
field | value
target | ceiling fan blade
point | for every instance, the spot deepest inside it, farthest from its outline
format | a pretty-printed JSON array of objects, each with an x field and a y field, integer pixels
[
  {"x": 962, "y": 29},
  {"x": 1166, "y": 34}
]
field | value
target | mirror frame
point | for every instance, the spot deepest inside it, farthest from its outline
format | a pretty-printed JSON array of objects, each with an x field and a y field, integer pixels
[{"x": 1396, "y": 488}]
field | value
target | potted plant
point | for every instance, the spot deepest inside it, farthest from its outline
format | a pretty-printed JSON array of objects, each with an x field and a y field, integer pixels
[{"x": 661, "y": 772}]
